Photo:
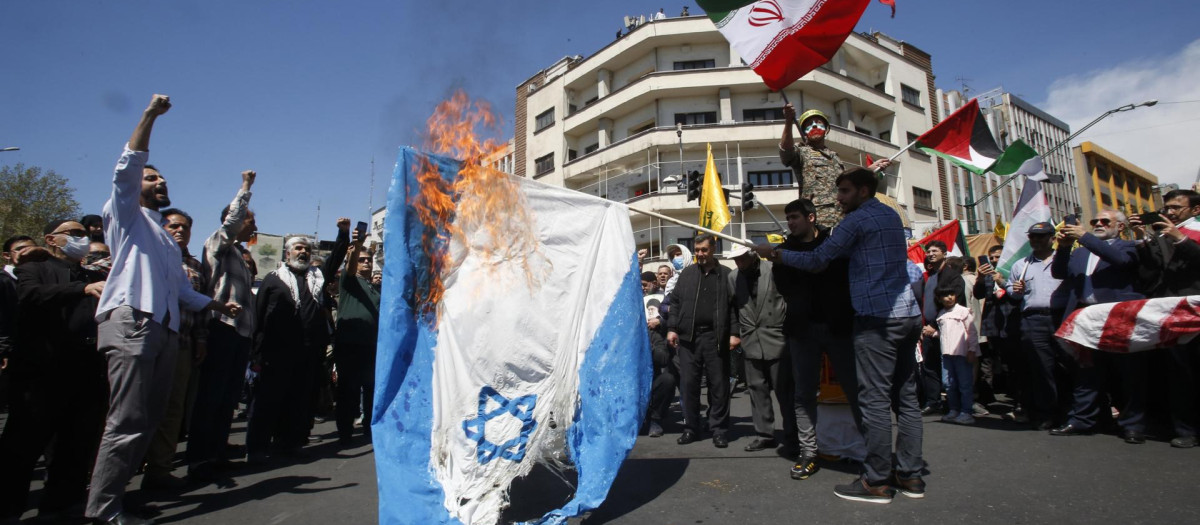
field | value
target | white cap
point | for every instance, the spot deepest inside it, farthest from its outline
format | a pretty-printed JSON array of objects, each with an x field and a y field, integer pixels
[{"x": 739, "y": 250}]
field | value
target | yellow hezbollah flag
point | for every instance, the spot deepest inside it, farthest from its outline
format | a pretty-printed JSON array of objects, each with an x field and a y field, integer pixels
[{"x": 714, "y": 212}]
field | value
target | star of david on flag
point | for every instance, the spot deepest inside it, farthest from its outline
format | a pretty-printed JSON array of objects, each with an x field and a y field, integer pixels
[{"x": 476, "y": 428}]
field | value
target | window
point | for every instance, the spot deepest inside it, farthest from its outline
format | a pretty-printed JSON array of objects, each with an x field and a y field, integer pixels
[
  {"x": 912, "y": 137},
  {"x": 644, "y": 127},
  {"x": 864, "y": 131},
  {"x": 590, "y": 101},
  {"x": 544, "y": 164},
  {"x": 881, "y": 87},
  {"x": 545, "y": 120},
  {"x": 761, "y": 179},
  {"x": 706, "y": 117},
  {"x": 695, "y": 64},
  {"x": 922, "y": 199},
  {"x": 885, "y": 136},
  {"x": 759, "y": 115},
  {"x": 571, "y": 109},
  {"x": 591, "y": 148},
  {"x": 910, "y": 95},
  {"x": 572, "y": 154}
]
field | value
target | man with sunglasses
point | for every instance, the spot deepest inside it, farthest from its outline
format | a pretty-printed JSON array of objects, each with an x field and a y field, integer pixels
[
  {"x": 354, "y": 340},
  {"x": 1103, "y": 270},
  {"x": 815, "y": 166},
  {"x": 58, "y": 379},
  {"x": 1170, "y": 259}
]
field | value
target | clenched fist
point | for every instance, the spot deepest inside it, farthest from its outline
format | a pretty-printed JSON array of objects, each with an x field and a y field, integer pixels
[{"x": 159, "y": 105}]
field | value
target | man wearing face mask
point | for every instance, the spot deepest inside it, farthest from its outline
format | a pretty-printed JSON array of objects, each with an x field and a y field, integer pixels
[
  {"x": 59, "y": 381},
  {"x": 814, "y": 164}
]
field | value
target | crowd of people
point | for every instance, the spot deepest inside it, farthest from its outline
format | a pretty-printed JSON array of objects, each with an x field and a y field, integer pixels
[
  {"x": 941, "y": 339},
  {"x": 117, "y": 341}
]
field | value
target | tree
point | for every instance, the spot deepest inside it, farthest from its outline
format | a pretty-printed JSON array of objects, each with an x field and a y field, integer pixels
[{"x": 30, "y": 198}]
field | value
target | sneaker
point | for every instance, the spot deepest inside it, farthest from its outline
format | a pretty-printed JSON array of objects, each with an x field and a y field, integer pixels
[
  {"x": 978, "y": 410},
  {"x": 860, "y": 490},
  {"x": 1184, "y": 442},
  {"x": 656, "y": 430},
  {"x": 805, "y": 467},
  {"x": 964, "y": 419},
  {"x": 913, "y": 488},
  {"x": 950, "y": 416},
  {"x": 1017, "y": 416}
]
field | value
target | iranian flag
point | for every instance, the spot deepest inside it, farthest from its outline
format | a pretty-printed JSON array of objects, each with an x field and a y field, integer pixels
[
  {"x": 962, "y": 138},
  {"x": 1031, "y": 209},
  {"x": 783, "y": 40},
  {"x": 950, "y": 234}
]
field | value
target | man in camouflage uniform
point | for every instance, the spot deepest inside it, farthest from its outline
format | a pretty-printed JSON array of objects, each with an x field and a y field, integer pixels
[{"x": 814, "y": 165}]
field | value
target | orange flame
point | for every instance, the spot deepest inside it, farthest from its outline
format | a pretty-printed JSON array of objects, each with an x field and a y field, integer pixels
[{"x": 488, "y": 200}]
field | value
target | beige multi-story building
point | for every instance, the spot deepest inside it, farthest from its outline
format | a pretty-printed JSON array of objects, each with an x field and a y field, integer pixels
[
  {"x": 628, "y": 121},
  {"x": 1009, "y": 118},
  {"x": 1109, "y": 181}
]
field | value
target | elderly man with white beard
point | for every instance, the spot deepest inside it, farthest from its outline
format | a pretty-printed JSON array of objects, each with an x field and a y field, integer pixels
[{"x": 291, "y": 338}]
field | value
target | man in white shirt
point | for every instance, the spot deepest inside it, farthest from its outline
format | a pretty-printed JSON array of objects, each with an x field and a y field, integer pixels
[{"x": 139, "y": 319}]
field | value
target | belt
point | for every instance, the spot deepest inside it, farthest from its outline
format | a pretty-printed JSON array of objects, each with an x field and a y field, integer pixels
[
  {"x": 1035, "y": 311},
  {"x": 704, "y": 328}
]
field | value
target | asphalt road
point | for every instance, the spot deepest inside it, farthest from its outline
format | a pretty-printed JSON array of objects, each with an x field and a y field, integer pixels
[{"x": 994, "y": 472}]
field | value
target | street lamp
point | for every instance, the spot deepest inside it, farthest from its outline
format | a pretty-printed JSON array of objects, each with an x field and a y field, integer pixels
[{"x": 11, "y": 148}]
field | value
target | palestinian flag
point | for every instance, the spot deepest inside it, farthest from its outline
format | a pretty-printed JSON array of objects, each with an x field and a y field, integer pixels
[
  {"x": 1031, "y": 209},
  {"x": 1021, "y": 159},
  {"x": 951, "y": 234},
  {"x": 783, "y": 40},
  {"x": 962, "y": 138}
]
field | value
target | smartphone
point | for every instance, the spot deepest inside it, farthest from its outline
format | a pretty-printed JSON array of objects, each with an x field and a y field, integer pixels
[
  {"x": 1151, "y": 217},
  {"x": 362, "y": 229},
  {"x": 983, "y": 259},
  {"x": 1071, "y": 220}
]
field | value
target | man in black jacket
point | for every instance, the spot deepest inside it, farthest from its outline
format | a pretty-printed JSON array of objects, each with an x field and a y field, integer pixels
[
  {"x": 59, "y": 379},
  {"x": 1172, "y": 261},
  {"x": 819, "y": 321},
  {"x": 699, "y": 328},
  {"x": 1001, "y": 324},
  {"x": 291, "y": 338}
]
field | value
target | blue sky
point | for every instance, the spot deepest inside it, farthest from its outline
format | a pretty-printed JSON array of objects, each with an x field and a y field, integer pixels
[{"x": 307, "y": 92}]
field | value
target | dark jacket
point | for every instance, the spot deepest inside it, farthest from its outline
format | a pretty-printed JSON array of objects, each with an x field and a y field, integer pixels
[
  {"x": 283, "y": 330},
  {"x": 1168, "y": 269},
  {"x": 1112, "y": 279},
  {"x": 56, "y": 319},
  {"x": 685, "y": 299},
  {"x": 1001, "y": 317},
  {"x": 822, "y": 297},
  {"x": 760, "y": 311},
  {"x": 8, "y": 313}
]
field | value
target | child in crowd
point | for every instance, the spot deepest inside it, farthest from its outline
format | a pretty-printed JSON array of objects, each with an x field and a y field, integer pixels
[{"x": 960, "y": 351}]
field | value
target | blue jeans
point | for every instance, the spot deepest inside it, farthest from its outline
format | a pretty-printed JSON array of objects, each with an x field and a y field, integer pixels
[{"x": 958, "y": 374}]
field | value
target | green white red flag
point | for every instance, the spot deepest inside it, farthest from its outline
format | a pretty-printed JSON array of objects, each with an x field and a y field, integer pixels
[
  {"x": 783, "y": 40},
  {"x": 962, "y": 138},
  {"x": 950, "y": 234}
]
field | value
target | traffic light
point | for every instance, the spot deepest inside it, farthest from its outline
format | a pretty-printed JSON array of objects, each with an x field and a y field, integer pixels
[
  {"x": 695, "y": 185},
  {"x": 748, "y": 202}
]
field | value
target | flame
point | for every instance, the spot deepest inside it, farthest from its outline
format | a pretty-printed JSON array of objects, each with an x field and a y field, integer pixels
[{"x": 488, "y": 202}]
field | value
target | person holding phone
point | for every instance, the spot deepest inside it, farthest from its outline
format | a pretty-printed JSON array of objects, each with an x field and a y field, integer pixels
[
  {"x": 1032, "y": 284},
  {"x": 354, "y": 338},
  {"x": 1001, "y": 325},
  {"x": 1102, "y": 271}
]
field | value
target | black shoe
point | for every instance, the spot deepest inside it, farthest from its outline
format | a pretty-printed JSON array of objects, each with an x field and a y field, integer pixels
[
  {"x": 931, "y": 410},
  {"x": 805, "y": 467},
  {"x": 1133, "y": 437},
  {"x": 912, "y": 487},
  {"x": 688, "y": 436},
  {"x": 760, "y": 444},
  {"x": 125, "y": 519},
  {"x": 719, "y": 440},
  {"x": 860, "y": 490},
  {"x": 1069, "y": 430},
  {"x": 1184, "y": 442},
  {"x": 656, "y": 430}
]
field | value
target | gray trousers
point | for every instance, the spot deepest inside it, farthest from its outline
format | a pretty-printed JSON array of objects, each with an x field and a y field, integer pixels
[
  {"x": 141, "y": 365},
  {"x": 806, "y": 348},
  {"x": 160, "y": 457},
  {"x": 763, "y": 376},
  {"x": 885, "y": 351}
]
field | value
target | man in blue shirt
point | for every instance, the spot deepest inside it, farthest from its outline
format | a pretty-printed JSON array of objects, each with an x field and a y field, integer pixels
[{"x": 887, "y": 323}]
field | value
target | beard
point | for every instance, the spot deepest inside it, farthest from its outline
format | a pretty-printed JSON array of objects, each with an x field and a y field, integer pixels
[{"x": 298, "y": 264}]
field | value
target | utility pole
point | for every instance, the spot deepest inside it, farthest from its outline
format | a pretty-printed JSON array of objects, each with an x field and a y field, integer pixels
[{"x": 371, "y": 197}]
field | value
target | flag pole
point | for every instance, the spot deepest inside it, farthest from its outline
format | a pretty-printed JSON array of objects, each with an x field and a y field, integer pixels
[{"x": 730, "y": 238}]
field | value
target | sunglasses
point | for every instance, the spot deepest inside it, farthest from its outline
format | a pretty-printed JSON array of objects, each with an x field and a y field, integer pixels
[{"x": 1104, "y": 222}]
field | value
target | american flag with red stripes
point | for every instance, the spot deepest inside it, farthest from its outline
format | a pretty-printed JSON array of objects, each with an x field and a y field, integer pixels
[{"x": 1133, "y": 326}]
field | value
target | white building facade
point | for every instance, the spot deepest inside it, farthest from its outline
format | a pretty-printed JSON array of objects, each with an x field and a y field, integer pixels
[
  {"x": 628, "y": 121},
  {"x": 1010, "y": 118}
]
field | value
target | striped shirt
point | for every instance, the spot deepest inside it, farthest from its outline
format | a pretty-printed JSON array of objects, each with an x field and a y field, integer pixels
[
  {"x": 872, "y": 236},
  {"x": 229, "y": 277}
]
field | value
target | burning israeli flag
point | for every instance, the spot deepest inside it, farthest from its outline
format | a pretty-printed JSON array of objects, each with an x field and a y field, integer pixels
[{"x": 512, "y": 332}]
